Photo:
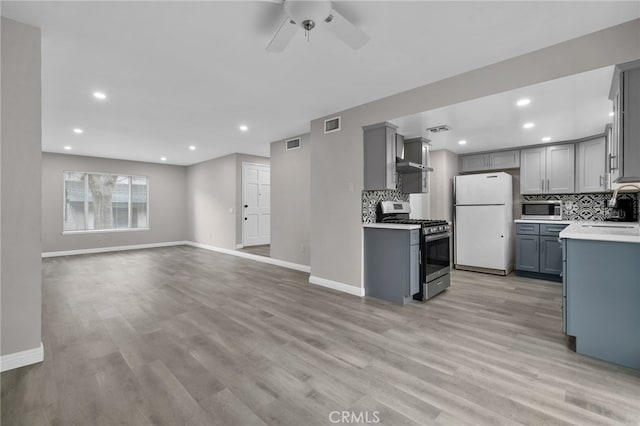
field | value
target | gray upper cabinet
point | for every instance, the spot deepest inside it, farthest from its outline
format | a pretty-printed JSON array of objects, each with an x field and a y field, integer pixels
[
  {"x": 380, "y": 156},
  {"x": 532, "y": 171},
  {"x": 590, "y": 165},
  {"x": 548, "y": 170},
  {"x": 504, "y": 160},
  {"x": 490, "y": 161},
  {"x": 560, "y": 169},
  {"x": 474, "y": 162},
  {"x": 624, "y": 146}
]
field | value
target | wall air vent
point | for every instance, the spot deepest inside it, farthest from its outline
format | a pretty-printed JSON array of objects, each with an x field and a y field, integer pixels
[
  {"x": 332, "y": 125},
  {"x": 438, "y": 129},
  {"x": 292, "y": 144}
]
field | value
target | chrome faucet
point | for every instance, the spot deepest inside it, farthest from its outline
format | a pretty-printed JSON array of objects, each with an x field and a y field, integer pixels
[{"x": 613, "y": 201}]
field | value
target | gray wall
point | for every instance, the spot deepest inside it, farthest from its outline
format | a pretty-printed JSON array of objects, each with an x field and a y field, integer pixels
[
  {"x": 214, "y": 200},
  {"x": 20, "y": 187},
  {"x": 445, "y": 167},
  {"x": 211, "y": 202},
  {"x": 291, "y": 201},
  {"x": 337, "y": 166},
  {"x": 243, "y": 158},
  {"x": 167, "y": 203}
]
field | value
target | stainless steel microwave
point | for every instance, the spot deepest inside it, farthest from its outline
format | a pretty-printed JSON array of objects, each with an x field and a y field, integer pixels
[{"x": 545, "y": 210}]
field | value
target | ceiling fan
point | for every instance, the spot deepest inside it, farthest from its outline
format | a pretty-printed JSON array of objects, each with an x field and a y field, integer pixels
[{"x": 307, "y": 14}]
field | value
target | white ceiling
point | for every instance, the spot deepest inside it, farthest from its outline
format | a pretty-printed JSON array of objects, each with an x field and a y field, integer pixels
[
  {"x": 188, "y": 73},
  {"x": 568, "y": 108}
]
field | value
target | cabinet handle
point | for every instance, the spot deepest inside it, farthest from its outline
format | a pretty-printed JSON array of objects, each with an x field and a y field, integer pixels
[
  {"x": 542, "y": 185},
  {"x": 439, "y": 283},
  {"x": 611, "y": 157},
  {"x": 536, "y": 245},
  {"x": 548, "y": 186},
  {"x": 601, "y": 180}
]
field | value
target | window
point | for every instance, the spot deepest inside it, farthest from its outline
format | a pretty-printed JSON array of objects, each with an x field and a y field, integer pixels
[{"x": 98, "y": 201}]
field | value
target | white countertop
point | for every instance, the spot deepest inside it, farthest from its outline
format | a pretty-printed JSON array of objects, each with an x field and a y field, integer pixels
[
  {"x": 623, "y": 232},
  {"x": 557, "y": 222},
  {"x": 390, "y": 225}
]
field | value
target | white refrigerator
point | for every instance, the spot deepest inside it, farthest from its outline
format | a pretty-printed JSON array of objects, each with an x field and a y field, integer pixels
[{"x": 483, "y": 223}]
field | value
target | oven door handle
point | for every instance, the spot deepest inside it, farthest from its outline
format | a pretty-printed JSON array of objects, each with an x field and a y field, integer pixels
[{"x": 428, "y": 238}]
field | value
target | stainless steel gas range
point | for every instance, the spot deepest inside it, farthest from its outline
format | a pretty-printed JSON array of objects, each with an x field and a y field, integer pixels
[{"x": 435, "y": 247}]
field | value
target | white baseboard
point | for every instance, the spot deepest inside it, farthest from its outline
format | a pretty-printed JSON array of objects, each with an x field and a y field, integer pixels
[
  {"x": 335, "y": 285},
  {"x": 239, "y": 246},
  {"x": 263, "y": 259},
  {"x": 109, "y": 249},
  {"x": 22, "y": 358}
]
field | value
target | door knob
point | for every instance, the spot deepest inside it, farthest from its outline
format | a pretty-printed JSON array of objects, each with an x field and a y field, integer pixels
[
  {"x": 245, "y": 218},
  {"x": 246, "y": 205}
]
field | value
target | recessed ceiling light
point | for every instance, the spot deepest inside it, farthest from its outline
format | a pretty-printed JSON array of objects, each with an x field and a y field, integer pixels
[
  {"x": 78, "y": 131},
  {"x": 163, "y": 158},
  {"x": 99, "y": 95},
  {"x": 546, "y": 139},
  {"x": 528, "y": 125},
  {"x": 523, "y": 102},
  {"x": 243, "y": 127},
  {"x": 67, "y": 147},
  {"x": 462, "y": 142},
  {"x": 192, "y": 147},
  {"x": 611, "y": 114}
]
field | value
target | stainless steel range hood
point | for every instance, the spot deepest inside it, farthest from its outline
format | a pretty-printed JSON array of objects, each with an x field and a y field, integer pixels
[{"x": 406, "y": 167}]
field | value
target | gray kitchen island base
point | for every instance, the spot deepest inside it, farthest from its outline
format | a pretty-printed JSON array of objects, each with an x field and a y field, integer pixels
[
  {"x": 602, "y": 305},
  {"x": 392, "y": 264}
]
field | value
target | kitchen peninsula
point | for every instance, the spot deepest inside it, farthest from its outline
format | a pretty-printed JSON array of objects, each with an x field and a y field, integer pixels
[{"x": 601, "y": 290}]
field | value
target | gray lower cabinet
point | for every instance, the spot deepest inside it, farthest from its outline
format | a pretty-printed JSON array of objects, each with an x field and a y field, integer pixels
[
  {"x": 550, "y": 255},
  {"x": 392, "y": 264},
  {"x": 527, "y": 255},
  {"x": 602, "y": 293},
  {"x": 538, "y": 251}
]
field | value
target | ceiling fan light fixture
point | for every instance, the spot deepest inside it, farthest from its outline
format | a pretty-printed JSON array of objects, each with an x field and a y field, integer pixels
[
  {"x": 308, "y": 24},
  {"x": 305, "y": 10}
]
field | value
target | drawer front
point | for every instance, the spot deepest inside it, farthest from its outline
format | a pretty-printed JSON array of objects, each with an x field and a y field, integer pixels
[
  {"x": 551, "y": 229},
  {"x": 438, "y": 285},
  {"x": 528, "y": 228},
  {"x": 414, "y": 237}
]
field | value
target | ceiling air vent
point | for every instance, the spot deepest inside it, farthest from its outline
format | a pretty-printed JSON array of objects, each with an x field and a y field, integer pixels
[
  {"x": 332, "y": 125},
  {"x": 292, "y": 144},
  {"x": 438, "y": 129}
]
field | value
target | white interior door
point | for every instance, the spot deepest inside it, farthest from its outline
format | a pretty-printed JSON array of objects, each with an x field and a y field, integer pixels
[
  {"x": 481, "y": 238},
  {"x": 256, "y": 204}
]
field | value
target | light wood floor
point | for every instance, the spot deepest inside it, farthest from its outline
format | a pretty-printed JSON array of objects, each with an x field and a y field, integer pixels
[
  {"x": 262, "y": 250},
  {"x": 183, "y": 336}
]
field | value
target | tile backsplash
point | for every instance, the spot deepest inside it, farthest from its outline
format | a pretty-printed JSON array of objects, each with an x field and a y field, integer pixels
[
  {"x": 584, "y": 206},
  {"x": 370, "y": 200}
]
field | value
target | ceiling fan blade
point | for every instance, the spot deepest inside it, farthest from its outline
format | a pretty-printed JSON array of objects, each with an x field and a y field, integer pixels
[
  {"x": 344, "y": 29},
  {"x": 285, "y": 33}
]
